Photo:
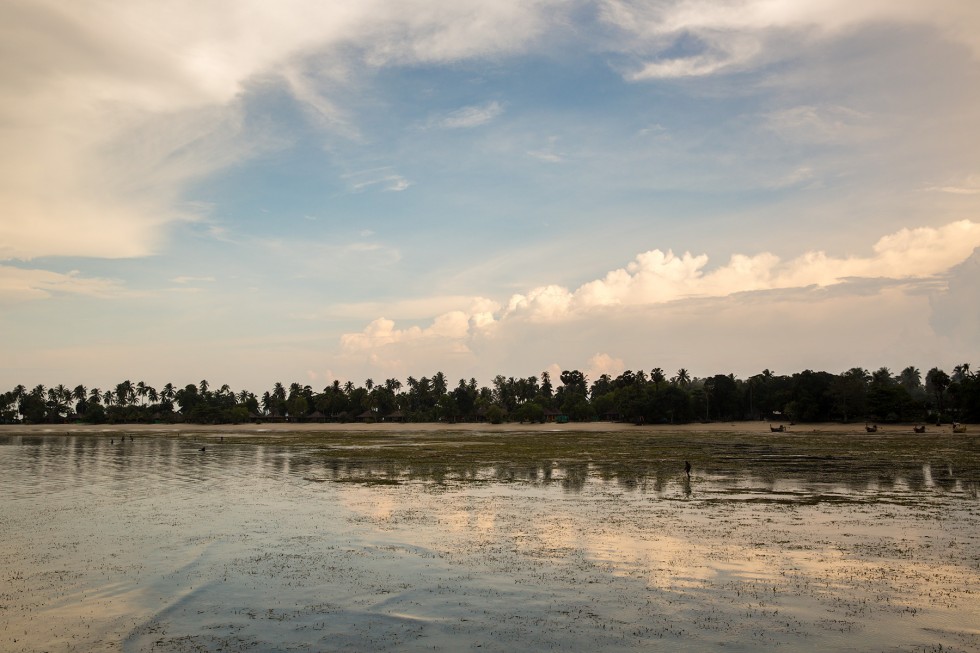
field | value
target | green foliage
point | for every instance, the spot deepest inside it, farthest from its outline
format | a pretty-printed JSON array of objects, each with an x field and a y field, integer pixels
[
  {"x": 94, "y": 414},
  {"x": 530, "y": 412},
  {"x": 495, "y": 414},
  {"x": 297, "y": 406},
  {"x": 807, "y": 396}
]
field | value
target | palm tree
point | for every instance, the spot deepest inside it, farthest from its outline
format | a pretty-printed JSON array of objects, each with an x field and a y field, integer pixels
[
  {"x": 393, "y": 385},
  {"x": 125, "y": 392},
  {"x": 910, "y": 379},
  {"x": 279, "y": 392},
  {"x": 657, "y": 376},
  {"x": 108, "y": 398},
  {"x": 882, "y": 376},
  {"x": 682, "y": 378},
  {"x": 936, "y": 382},
  {"x": 203, "y": 387},
  {"x": 56, "y": 399},
  {"x": 79, "y": 394},
  {"x": 141, "y": 391},
  {"x": 168, "y": 393},
  {"x": 439, "y": 384},
  {"x": 961, "y": 372},
  {"x": 95, "y": 396},
  {"x": 151, "y": 393}
]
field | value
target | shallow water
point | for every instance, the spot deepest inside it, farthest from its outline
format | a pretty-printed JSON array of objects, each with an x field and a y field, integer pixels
[{"x": 154, "y": 545}]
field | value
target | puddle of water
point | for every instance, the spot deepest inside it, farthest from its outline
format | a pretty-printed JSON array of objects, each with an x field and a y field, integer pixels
[{"x": 151, "y": 544}]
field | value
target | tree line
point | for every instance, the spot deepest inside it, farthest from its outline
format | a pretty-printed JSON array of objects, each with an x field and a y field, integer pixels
[{"x": 638, "y": 397}]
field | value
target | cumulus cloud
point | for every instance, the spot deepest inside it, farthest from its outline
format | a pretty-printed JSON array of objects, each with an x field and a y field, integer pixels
[
  {"x": 604, "y": 364},
  {"x": 657, "y": 278},
  {"x": 451, "y": 325}
]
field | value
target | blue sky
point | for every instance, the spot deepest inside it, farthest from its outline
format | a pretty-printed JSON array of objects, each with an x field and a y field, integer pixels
[{"x": 314, "y": 191}]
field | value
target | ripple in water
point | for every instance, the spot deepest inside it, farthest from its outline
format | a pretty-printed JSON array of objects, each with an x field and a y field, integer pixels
[{"x": 152, "y": 544}]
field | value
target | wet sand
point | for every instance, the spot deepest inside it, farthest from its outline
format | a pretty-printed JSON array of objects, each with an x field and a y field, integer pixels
[{"x": 511, "y": 427}]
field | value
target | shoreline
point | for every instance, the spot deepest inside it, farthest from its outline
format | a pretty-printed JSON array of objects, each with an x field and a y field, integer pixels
[{"x": 753, "y": 428}]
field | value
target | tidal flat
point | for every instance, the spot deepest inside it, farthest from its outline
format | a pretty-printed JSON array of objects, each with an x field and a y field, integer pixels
[{"x": 448, "y": 540}]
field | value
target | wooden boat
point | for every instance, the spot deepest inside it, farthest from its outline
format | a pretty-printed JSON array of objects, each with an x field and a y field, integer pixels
[
  {"x": 919, "y": 429},
  {"x": 871, "y": 429},
  {"x": 777, "y": 429}
]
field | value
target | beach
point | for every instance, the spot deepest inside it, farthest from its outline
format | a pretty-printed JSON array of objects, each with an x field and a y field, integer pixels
[{"x": 753, "y": 427}]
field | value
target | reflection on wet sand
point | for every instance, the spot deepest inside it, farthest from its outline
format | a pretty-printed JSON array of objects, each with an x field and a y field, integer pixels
[{"x": 597, "y": 542}]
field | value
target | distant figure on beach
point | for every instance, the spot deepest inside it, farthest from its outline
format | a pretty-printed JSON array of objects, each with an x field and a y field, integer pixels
[
  {"x": 203, "y": 449},
  {"x": 687, "y": 469}
]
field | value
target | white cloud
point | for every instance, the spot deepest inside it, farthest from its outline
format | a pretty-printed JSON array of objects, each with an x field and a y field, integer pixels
[
  {"x": 547, "y": 157},
  {"x": 730, "y": 36},
  {"x": 473, "y": 116},
  {"x": 454, "y": 325},
  {"x": 111, "y": 109},
  {"x": 655, "y": 280},
  {"x": 107, "y": 121},
  {"x": 656, "y": 277},
  {"x": 820, "y": 125},
  {"x": 604, "y": 364},
  {"x": 384, "y": 178},
  {"x": 968, "y": 186},
  {"x": 20, "y": 284},
  {"x": 189, "y": 279}
]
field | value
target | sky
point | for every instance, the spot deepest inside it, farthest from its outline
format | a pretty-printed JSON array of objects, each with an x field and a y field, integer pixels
[{"x": 302, "y": 191}]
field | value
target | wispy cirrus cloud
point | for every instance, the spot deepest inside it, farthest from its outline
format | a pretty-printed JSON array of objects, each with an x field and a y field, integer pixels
[
  {"x": 469, "y": 117},
  {"x": 25, "y": 284},
  {"x": 385, "y": 179},
  {"x": 184, "y": 279},
  {"x": 968, "y": 186},
  {"x": 692, "y": 38},
  {"x": 107, "y": 121}
]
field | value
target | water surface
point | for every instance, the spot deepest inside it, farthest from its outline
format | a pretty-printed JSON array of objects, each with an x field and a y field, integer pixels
[{"x": 465, "y": 542}]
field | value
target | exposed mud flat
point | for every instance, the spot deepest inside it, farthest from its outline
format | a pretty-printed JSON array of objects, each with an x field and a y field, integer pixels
[{"x": 481, "y": 540}]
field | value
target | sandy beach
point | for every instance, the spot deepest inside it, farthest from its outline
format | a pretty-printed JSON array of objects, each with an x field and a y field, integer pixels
[{"x": 434, "y": 427}]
